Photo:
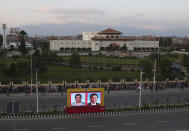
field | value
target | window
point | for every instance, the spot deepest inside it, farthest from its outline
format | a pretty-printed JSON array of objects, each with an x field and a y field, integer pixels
[
  {"x": 107, "y": 37},
  {"x": 112, "y": 36}
]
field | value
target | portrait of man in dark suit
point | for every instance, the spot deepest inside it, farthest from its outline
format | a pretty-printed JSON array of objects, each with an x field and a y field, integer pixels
[{"x": 93, "y": 100}]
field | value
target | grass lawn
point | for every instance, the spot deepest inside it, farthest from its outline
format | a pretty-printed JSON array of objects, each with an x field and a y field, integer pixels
[
  {"x": 107, "y": 60},
  {"x": 8, "y": 61},
  {"x": 58, "y": 74}
]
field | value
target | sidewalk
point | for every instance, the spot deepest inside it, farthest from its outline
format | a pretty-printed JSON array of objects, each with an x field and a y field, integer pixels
[{"x": 117, "y": 92}]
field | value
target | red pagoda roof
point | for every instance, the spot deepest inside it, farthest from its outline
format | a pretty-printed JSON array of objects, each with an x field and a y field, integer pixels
[
  {"x": 97, "y": 38},
  {"x": 110, "y": 31}
]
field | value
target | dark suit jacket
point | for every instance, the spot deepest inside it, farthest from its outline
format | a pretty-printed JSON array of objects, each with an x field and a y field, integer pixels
[{"x": 93, "y": 105}]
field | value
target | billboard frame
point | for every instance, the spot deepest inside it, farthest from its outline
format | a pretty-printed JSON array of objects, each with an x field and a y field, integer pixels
[{"x": 82, "y": 90}]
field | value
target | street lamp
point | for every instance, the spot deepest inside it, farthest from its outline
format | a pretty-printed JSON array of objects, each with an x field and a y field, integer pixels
[
  {"x": 140, "y": 88},
  {"x": 154, "y": 85},
  {"x": 31, "y": 75},
  {"x": 37, "y": 92}
]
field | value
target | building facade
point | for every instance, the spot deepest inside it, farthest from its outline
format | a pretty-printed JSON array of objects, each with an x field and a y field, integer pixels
[{"x": 108, "y": 39}]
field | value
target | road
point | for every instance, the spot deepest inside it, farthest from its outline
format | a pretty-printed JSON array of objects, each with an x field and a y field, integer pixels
[
  {"x": 166, "y": 121},
  {"x": 121, "y": 98}
]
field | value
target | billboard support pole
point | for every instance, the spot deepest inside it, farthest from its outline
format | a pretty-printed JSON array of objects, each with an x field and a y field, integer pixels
[{"x": 14, "y": 124}]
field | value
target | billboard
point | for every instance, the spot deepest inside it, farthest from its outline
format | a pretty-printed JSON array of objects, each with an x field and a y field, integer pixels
[
  {"x": 15, "y": 30},
  {"x": 85, "y": 97}
]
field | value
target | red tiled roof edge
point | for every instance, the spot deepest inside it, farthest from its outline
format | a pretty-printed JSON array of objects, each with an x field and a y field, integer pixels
[{"x": 110, "y": 31}]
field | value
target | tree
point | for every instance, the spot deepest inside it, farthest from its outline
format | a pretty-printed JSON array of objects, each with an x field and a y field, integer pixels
[
  {"x": 154, "y": 56},
  {"x": 22, "y": 39},
  {"x": 36, "y": 53},
  {"x": 11, "y": 48},
  {"x": 124, "y": 47},
  {"x": 164, "y": 68},
  {"x": 186, "y": 61},
  {"x": 10, "y": 71},
  {"x": 187, "y": 48},
  {"x": 74, "y": 60},
  {"x": 39, "y": 64},
  {"x": 1, "y": 40},
  {"x": 51, "y": 57},
  {"x": 146, "y": 65},
  {"x": 45, "y": 46}
]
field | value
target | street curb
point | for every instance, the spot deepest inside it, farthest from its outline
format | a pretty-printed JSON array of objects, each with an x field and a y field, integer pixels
[{"x": 51, "y": 116}]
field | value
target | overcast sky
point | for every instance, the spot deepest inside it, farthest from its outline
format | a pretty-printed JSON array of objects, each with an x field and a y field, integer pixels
[{"x": 146, "y": 14}]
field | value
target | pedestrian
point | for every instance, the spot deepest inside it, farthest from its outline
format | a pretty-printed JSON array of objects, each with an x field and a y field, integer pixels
[
  {"x": 7, "y": 91},
  {"x": 62, "y": 90},
  {"x": 108, "y": 88}
]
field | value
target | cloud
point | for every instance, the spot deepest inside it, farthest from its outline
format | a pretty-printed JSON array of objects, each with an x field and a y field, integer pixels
[
  {"x": 65, "y": 15},
  {"x": 73, "y": 11},
  {"x": 154, "y": 22}
]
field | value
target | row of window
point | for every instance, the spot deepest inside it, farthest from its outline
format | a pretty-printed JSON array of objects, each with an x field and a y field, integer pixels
[
  {"x": 89, "y": 49},
  {"x": 73, "y": 43},
  {"x": 112, "y": 36}
]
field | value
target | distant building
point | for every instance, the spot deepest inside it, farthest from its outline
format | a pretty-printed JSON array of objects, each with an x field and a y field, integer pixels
[
  {"x": 108, "y": 39},
  {"x": 180, "y": 43},
  {"x": 13, "y": 39},
  {"x": 88, "y": 35}
]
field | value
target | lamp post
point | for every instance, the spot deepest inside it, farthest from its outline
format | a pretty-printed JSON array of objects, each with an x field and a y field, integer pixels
[
  {"x": 37, "y": 93},
  {"x": 31, "y": 75},
  {"x": 140, "y": 89},
  {"x": 154, "y": 85}
]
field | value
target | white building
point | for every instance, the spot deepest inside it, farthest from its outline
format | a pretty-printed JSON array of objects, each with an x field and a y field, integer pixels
[
  {"x": 88, "y": 35},
  {"x": 68, "y": 45},
  {"x": 108, "y": 39}
]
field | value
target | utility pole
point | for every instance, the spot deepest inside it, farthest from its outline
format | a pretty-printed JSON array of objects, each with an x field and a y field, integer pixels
[
  {"x": 140, "y": 88},
  {"x": 154, "y": 85},
  {"x": 37, "y": 94},
  {"x": 31, "y": 75}
]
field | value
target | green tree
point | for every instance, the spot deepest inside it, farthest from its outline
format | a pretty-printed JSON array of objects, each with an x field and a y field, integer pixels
[
  {"x": 11, "y": 48},
  {"x": 1, "y": 40},
  {"x": 39, "y": 64},
  {"x": 187, "y": 48},
  {"x": 10, "y": 71},
  {"x": 22, "y": 39},
  {"x": 154, "y": 56},
  {"x": 146, "y": 65},
  {"x": 124, "y": 47},
  {"x": 74, "y": 60},
  {"x": 51, "y": 57},
  {"x": 36, "y": 53},
  {"x": 45, "y": 46},
  {"x": 186, "y": 61},
  {"x": 164, "y": 68}
]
